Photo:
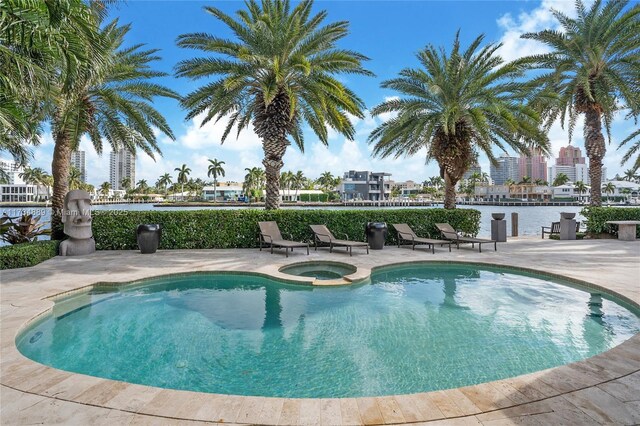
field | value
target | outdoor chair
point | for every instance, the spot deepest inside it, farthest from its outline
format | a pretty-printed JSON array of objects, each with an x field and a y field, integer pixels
[
  {"x": 405, "y": 233},
  {"x": 270, "y": 236},
  {"x": 448, "y": 233},
  {"x": 322, "y": 235},
  {"x": 555, "y": 229}
]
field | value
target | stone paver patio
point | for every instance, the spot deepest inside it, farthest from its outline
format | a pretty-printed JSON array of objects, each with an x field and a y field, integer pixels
[{"x": 604, "y": 389}]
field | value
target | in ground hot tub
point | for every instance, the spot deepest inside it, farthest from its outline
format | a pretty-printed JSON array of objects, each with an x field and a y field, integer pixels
[{"x": 329, "y": 273}]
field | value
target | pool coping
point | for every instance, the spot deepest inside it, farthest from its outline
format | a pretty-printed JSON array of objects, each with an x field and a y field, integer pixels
[{"x": 22, "y": 374}]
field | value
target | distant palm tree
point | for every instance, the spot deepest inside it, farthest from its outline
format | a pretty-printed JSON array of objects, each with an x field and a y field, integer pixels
[
  {"x": 326, "y": 181},
  {"x": 126, "y": 183},
  {"x": 35, "y": 176},
  {"x": 277, "y": 75},
  {"x": 253, "y": 180},
  {"x": 631, "y": 175},
  {"x": 215, "y": 169},
  {"x": 104, "y": 189},
  {"x": 609, "y": 188},
  {"x": 75, "y": 178},
  {"x": 560, "y": 179},
  {"x": 581, "y": 187},
  {"x": 183, "y": 174},
  {"x": 525, "y": 180},
  {"x": 142, "y": 186},
  {"x": 164, "y": 181},
  {"x": 593, "y": 70},
  {"x": 454, "y": 104},
  {"x": 297, "y": 182},
  {"x": 286, "y": 179}
]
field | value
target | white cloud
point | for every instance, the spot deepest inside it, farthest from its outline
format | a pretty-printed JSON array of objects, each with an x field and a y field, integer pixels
[
  {"x": 198, "y": 137},
  {"x": 538, "y": 19}
]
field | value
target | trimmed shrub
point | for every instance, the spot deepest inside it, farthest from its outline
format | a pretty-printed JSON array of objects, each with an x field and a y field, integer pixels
[
  {"x": 27, "y": 254},
  {"x": 317, "y": 198},
  {"x": 203, "y": 229},
  {"x": 597, "y": 216}
]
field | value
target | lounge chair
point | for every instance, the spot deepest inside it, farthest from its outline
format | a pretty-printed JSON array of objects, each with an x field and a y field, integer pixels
[
  {"x": 405, "y": 233},
  {"x": 448, "y": 233},
  {"x": 322, "y": 235},
  {"x": 555, "y": 229},
  {"x": 270, "y": 235}
]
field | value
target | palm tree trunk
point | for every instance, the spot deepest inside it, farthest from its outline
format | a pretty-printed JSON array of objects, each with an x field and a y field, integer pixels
[
  {"x": 273, "y": 152},
  {"x": 449, "y": 192},
  {"x": 60, "y": 167},
  {"x": 214, "y": 190},
  {"x": 596, "y": 149}
]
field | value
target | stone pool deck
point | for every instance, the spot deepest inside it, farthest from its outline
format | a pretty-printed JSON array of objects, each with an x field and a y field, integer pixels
[{"x": 604, "y": 389}]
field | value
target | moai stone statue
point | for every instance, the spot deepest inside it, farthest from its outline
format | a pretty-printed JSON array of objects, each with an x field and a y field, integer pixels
[{"x": 76, "y": 217}]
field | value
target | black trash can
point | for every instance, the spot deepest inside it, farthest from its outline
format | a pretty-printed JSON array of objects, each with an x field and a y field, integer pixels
[
  {"x": 149, "y": 237},
  {"x": 376, "y": 234}
]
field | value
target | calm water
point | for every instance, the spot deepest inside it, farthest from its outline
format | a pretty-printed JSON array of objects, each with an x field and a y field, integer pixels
[
  {"x": 413, "y": 329},
  {"x": 530, "y": 218}
]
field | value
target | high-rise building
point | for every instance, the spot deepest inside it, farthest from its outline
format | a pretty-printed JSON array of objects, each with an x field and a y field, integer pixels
[
  {"x": 570, "y": 156},
  {"x": 505, "y": 169},
  {"x": 533, "y": 165},
  {"x": 78, "y": 161},
  {"x": 122, "y": 165},
  {"x": 12, "y": 170},
  {"x": 474, "y": 168}
]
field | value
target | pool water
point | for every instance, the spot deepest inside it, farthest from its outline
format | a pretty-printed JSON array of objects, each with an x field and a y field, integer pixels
[
  {"x": 321, "y": 275},
  {"x": 412, "y": 329}
]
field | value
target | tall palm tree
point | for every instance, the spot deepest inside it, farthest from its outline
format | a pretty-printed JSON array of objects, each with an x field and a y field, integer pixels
[
  {"x": 277, "y": 74},
  {"x": 111, "y": 98},
  {"x": 286, "y": 179},
  {"x": 39, "y": 42},
  {"x": 581, "y": 187},
  {"x": 183, "y": 174},
  {"x": 215, "y": 169},
  {"x": 609, "y": 188},
  {"x": 593, "y": 70},
  {"x": 454, "y": 104},
  {"x": 164, "y": 181},
  {"x": 560, "y": 179},
  {"x": 104, "y": 189},
  {"x": 253, "y": 180}
]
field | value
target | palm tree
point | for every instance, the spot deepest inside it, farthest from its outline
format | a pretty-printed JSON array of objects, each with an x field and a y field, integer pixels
[
  {"x": 277, "y": 75},
  {"x": 593, "y": 70},
  {"x": 125, "y": 183},
  {"x": 164, "y": 181},
  {"x": 183, "y": 173},
  {"x": 560, "y": 179},
  {"x": 35, "y": 177},
  {"x": 609, "y": 188},
  {"x": 104, "y": 189},
  {"x": 525, "y": 180},
  {"x": 39, "y": 41},
  {"x": 215, "y": 170},
  {"x": 581, "y": 187},
  {"x": 298, "y": 181},
  {"x": 75, "y": 179},
  {"x": 111, "y": 98},
  {"x": 142, "y": 186},
  {"x": 633, "y": 149},
  {"x": 453, "y": 105},
  {"x": 630, "y": 175},
  {"x": 326, "y": 181},
  {"x": 253, "y": 180}
]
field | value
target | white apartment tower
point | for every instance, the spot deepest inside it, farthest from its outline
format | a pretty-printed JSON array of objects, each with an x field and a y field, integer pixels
[
  {"x": 122, "y": 165},
  {"x": 78, "y": 161},
  {"x": 12, "y": 170}
]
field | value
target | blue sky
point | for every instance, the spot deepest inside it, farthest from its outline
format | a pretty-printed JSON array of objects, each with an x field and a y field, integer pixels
[{"x": 388, "y": 32}]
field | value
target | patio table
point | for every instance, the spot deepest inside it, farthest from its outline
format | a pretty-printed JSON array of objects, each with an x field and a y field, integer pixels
[{"x": 626, "y": 229}]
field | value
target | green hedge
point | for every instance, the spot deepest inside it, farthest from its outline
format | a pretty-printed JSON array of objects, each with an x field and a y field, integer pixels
[
  {"x": 197, "y": 229},
  {"x": 320, "y": 198},
  {"x": 27, "y": 254},
  {"x": 597, "y": 216}
]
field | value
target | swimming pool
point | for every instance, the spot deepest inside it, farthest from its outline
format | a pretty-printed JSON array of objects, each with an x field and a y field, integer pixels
[{"x": 411, "y": 329}]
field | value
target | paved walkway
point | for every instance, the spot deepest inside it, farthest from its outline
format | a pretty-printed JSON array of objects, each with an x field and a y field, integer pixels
[{"x": 604, "y": 389}]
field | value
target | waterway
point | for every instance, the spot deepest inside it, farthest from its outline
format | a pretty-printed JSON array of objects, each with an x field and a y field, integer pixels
[{"x": 530, "y": 218}]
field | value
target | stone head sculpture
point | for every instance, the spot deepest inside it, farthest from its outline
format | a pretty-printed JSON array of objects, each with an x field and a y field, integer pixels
[{"x": 76, "y": 217}]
